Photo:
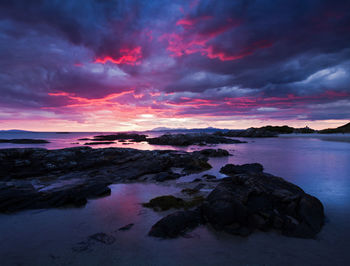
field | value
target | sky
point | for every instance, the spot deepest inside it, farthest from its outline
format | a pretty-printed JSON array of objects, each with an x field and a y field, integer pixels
[{"x": 109, "y": 65}]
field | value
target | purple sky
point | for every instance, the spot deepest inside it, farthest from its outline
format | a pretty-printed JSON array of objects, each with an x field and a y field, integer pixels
[{"x": 86, "y": 65}]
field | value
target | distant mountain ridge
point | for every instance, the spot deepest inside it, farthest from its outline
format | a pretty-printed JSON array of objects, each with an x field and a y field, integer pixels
[
  {"x": 342, "y": 129},
  {"x": 207, "y": 129},
  {"x": 16, "y": 131},
  {"x": 265, "y": 131}
]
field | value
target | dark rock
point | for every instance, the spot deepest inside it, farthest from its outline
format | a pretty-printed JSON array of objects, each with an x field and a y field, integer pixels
[
  {"x": 91, "y": 170},
  {"x": 209, "y": 176},
  {"x": 103, "y": 238},
  {"x": 231, "y": 169},
  {"x": 248, "y": 133},
  {"x": 126, "y": 227},
  {"x": 122, "y": 136},
  {"x": 190, "y": 139},
  {"x": 167, "y": 202},
  {"x": 164, "y": 203},
  {"x": 213, "y": 152},
  {"x": 176, "y": 224},
  {"x": 254, "y": 200},
  {"x": 190, "y": 191},
  {"x": 163, "y": 176}
]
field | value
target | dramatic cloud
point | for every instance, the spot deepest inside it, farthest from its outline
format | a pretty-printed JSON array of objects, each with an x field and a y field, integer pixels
[{"x": 118, "y": 64}]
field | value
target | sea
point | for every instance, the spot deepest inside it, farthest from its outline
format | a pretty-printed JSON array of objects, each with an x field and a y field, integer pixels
[{"x": 320, "y": 165}]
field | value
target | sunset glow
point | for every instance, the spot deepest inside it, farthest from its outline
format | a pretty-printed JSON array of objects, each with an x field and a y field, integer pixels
[{"x": 173, "y": 64}]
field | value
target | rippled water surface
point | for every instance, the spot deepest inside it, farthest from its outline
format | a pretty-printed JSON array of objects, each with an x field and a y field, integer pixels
[{"x": 321, "y": 168}]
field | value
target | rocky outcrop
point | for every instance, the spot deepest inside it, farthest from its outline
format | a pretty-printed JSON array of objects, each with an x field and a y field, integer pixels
[
  {"x": 190, "y": 139},
  {"x": 251, "y": 200},
  {"x": 176, "y": 224},
  {"x": 232, "y": 169},
  {"x": 40, "y": 178},
  {"x": 121, "y": 136},
  {"x": 214, "y": 152},
  {"x": 245, "y": 202},
  {"x": 264, "y": 132},
  {"x": 164, "y": 203},
  {"x": 248, "y": 133}
]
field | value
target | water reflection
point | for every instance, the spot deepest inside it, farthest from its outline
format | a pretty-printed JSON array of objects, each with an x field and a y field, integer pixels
[{"x": 320, "y": 167}]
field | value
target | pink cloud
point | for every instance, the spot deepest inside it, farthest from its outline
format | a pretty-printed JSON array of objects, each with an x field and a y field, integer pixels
[{"x": 127, "y": 56}]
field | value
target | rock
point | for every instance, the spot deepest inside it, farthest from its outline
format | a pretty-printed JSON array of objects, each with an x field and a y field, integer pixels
[
  {"x": 126, "y": 227},
  {"x": 103, "y": 238},
  {"x": 209, "y": 177},
  {"x": 248, "y": 133},
  {"x": 231, "y": 169},
  {"x": 190, "y": 191},
  {"x": 255, "y": 200},
  {"x": 213, "y": 152},
  {"x": 167, "y": 202},
  {"x": 176, "y": 224},
  {"x": 190, "y": 139},
  {"x": 121, "y": 136},
  {"x": 91, "y": 170},
  {"x": 163, "y": 176},
  {"x": 164, "y": 203}
]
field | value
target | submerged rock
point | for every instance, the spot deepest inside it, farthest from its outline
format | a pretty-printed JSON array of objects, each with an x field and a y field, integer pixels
[
  {"x": 103, "y": 238},
  {"x": 126, "y": 227}
]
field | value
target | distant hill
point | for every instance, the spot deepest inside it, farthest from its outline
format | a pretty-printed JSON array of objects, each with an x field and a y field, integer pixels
[
  {"x": 167, "y": 129},
  {"x": 287, "y": 129},
  {"x": 342, "y": 129},
  {"x": 208, "y": 129},
  {"x": 15, "y": 131}
]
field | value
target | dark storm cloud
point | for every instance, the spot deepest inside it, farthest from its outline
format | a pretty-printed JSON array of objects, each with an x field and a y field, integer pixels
[{"x": 210, "y": 57}]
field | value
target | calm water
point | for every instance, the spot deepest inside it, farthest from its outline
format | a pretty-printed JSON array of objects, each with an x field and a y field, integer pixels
[{"x": 321, "y": 168}]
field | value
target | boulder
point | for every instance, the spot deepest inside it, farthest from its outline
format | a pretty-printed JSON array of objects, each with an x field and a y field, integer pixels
[
  {"x": 213, "y": 152},
  {"x": 231, "y": 169},
  {"x": 262, "y": 201},
  {"x": 176, "y": 224},
  {"x": 24, "y": 141},
  {"x": 167, "y": 202}
]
